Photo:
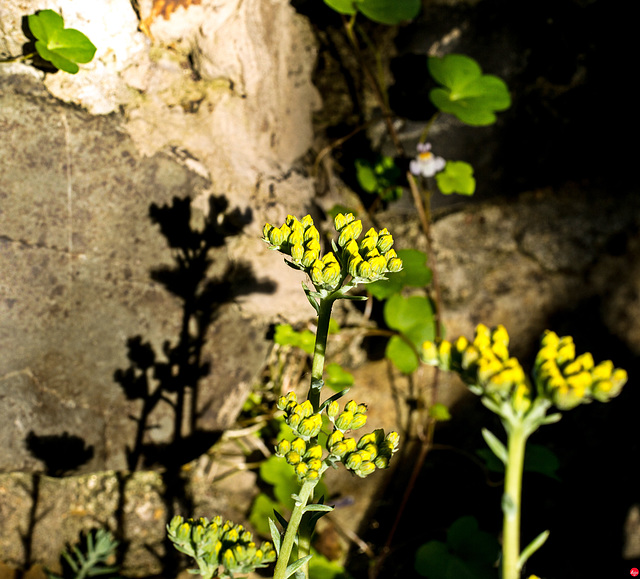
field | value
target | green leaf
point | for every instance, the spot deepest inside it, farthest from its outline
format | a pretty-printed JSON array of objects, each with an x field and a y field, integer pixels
[
  {"x": 293, "y": 567},
  {"x": 413, "y": 318},
  {"x": 465, "y": 539},
  {"x": 495, "y": 445},
  {"x": 457, "y": 177},
  {"x": 338, "y": 378},
  {"x": 468, "y": 94},
  {"x": 343, "y": 6},
  {"x": 439, "y": 412},
  {"x": 402, "y": 355},
  {"x": 261, "y": 512},
  {"x": 63, "y": 47},
  {"x": 532, "y": 547},
  {"x": 403, "y": 314},
  {"x": 321, "y": 568},
  {"x": 276, "y": 538},
  {"x": 390, "y": 12},
  {"x": 285, "y": 335},
  {"x": 281, "y": 475},
  {"x": 415, "y": 273},
  {"x": 468, "y": 553},
  {"x": 537, "y": 458},
  {"x": 366, "y": 176}
]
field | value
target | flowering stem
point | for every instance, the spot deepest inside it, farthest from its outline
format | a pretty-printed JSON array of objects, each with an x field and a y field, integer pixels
[
  {"x": 511, "y": 501},
  {"x": 306, "y": 492},
  {"x": 322, "y": 333}
]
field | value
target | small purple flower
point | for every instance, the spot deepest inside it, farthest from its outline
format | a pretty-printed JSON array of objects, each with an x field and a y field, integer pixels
[{"x": 426, "y": 163}]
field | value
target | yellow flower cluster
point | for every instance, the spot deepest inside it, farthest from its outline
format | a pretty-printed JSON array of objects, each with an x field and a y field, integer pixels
[
  {"x": 370, "y": 259},
  {"x": 300, "y": 417},
  {"x": 373, "y": 450},
  {"x": 484, "y": 365},
  {"x": 353, "y": 416},
  {"x": 365, "y": 262},
  {"x": 568, "y": 380},
  {"x": 214, "y": 543},
  {"x": 305, "y": 458}
]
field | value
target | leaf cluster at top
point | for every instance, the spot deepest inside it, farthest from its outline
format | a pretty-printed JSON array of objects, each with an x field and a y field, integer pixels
[{"x": 63, "y": 47}]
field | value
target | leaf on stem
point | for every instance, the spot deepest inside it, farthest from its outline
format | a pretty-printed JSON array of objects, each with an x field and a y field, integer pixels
[
  {"x": 532, "y": 547},
  {"x": 495, "y": 445},
  {"x": 275, "y": 535},
  {"x": 291, "y": 569}
]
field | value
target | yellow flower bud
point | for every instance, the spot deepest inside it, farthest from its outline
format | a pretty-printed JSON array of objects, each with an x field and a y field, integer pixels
[
  {"x": 314, "y": 464},
  {"x": 276, "y": 237},
  {"x": 364, "y": 270},
  {"x": 297, "y": 253},
  {"x": 378, "y": 265},
  {"x": 301, "y": 469},
  {"x": 339, "y": 221},
  {"x": 283, "y": 447},
  {"x": 359, "y": 420},
  {"x": 334, "y": 438},
  {"x": 385, "y": 242},
  {"x": 394, "y": 265},
  {"x": 314, "y": 452},
  {"x": 344, "y": 420},
  {"x": 311, "y": 426},
  {"x": 307, "y": 221},
  {"x": 354, "y": 460},
  {"x": 365, "y": 469},
  {"x": 298, "y": 445},
  {"x": 311, "y": 235},
  {"x": 293, "y": 457}
]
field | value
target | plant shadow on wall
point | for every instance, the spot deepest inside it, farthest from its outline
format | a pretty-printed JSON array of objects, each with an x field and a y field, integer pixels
[
  {"x": 61, "y": 455},
  {"x": 170, "y": 380}
]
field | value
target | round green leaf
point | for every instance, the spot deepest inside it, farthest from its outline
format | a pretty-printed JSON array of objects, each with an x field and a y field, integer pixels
[
  {"x": 457, "y": 177},
  {"x": 390, "y": 12},
  {"x": 402, "y": 314},
  {"x": 415, "y": 273},
  {"x": 402, "y": 355},
  {"x": 338, "y": 378},
  {"x": 467, "y": 94},
  {"x": 63, "y": 47},
  {"x": 44, "y": 23},
  {"x": 366, "y": 177},
  {"x": 342, "y": 6}
]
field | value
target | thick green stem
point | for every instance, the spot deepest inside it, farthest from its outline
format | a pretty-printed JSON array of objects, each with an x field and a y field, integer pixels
[
  {"x": 306, "y": 492},
  {"x": 517, "y": 440},
  {"x": 317, "y": 368}
]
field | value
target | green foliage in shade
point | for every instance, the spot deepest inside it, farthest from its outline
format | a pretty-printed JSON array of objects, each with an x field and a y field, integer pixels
[
  {"x": 537, "y": 458},
  {"x": 439, "y": 412},
  {"x": 63, "y": 47},
  {"x": 337, "y": 377},
  {"x": 415, "y": 273},
  {"x": 285, "y": 335},
  {"x": 469, "y": 553},
  {"x": 466, "y": 93},
  {"x": 322, "y": 568},
  {"x": 383, "y": 11},
  {"x": 380, "y": 178},
  {"x": 411, "y": 317},
  {"x": 457, "y": 177}
]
